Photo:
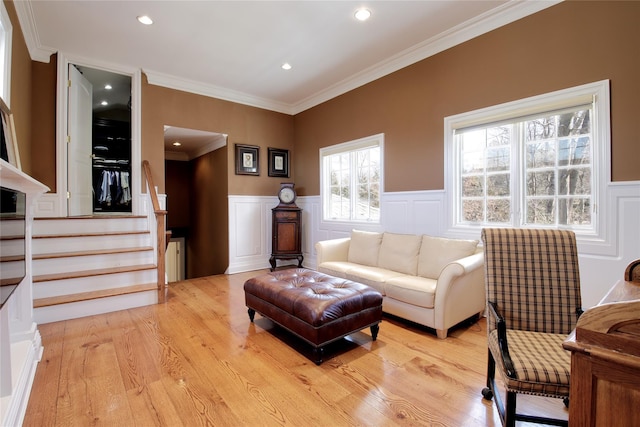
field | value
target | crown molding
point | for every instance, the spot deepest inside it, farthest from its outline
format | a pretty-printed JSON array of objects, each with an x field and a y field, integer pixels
[
  {"x": 179, "y": 83},
  {"x": 29, "y": 31}
]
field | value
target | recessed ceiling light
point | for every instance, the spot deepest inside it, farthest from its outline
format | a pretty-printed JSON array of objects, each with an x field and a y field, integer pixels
[
  {"x": 104, "y": 103},
  {"x": 108, "y": 86},
  {"x": 144, "y": 19},
  {"x": 176, "y": 144},
  {"x": 362, "y": 14},
  {"x": 286, "y": 66}
]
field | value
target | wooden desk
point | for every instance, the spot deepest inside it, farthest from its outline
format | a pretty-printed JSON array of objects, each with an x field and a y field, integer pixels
[{"x": 605, "y": 361}]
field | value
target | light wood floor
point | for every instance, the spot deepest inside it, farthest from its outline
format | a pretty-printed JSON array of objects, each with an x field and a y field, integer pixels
[{"x": 197, "y": 360}]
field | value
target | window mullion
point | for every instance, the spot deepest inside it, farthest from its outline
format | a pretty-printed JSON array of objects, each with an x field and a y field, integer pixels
[
  {"x": 353, "y": 166},
  {"x": 518, "y": 159}
]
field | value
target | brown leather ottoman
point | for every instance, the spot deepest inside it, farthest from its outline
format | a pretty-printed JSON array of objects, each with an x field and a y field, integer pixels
[{"x": 314, "y": 306}]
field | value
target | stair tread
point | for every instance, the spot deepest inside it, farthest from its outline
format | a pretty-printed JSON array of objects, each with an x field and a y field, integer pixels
[
  {"x": 95, "y": 272},
  {"x": 85, "y": 234},
  {"x": 92, "y": 252},
  {"x": 85, "y": 296},
  {"x": 66, "y": 218}
]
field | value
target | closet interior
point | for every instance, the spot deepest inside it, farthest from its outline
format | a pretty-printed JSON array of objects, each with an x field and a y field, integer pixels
[{"x": 111, "y": 140}]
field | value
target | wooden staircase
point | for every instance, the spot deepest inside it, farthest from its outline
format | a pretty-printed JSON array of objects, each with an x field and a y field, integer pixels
[{"x": 92, "y": 265}]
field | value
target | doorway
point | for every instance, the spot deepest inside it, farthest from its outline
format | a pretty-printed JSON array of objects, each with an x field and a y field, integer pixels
[
  {"x": 196, "y": 191},
  {"x": 100, "y": 114}
]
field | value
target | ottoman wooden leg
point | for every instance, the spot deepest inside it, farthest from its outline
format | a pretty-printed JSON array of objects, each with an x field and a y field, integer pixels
[
  {"x": 318, "y": 352},
  {"x": 252, "y": 314},
  {"x": 374, "y": 331}
]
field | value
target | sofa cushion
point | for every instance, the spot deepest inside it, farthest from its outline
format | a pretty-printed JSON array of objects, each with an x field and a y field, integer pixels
[
  {"x": 414, "y": 290},
  {"x": 364, "y": 247},
  {"x": 336, "y": 268},
  {"x": 371, "y": 276},
  {"x": 437, "y": 252},
  {"x": 399, "y": 252}
]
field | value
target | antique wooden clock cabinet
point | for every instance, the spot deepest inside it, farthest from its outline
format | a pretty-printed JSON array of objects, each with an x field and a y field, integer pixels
[{"x": 286, "y": 241}]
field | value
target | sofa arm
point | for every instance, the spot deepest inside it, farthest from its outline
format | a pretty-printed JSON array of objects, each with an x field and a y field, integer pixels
[
  {"x": 332, "y": 250},
  {"x": 460, "y": 291}
]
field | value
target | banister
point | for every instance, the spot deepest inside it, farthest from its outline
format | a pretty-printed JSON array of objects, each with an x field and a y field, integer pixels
[
  {"x": 160, "y": 230},
  {"x": 152, "y": 188}
]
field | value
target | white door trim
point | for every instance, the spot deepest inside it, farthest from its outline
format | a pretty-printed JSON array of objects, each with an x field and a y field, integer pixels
[{"x": 58, "y": 201}]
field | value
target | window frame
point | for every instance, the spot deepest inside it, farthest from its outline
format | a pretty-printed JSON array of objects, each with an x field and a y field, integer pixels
[
  {"x": 5, "y": 50},
  {"x": 597, "y": 92},
  {"x": 348, "y": 147}
]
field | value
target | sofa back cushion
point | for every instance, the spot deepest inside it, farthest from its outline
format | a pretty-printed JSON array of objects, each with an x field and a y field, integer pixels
[
  {"x": 399, "y": 252},
  {"x": 364, "y": 247},
  {"x": 437, "y": 252}
]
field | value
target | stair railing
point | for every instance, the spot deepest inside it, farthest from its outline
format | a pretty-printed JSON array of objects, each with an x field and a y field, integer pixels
[{"x": 161, "y": 236}]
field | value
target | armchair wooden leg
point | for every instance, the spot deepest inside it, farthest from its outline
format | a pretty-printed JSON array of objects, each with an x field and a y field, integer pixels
[{"x": 510, "y": 416}]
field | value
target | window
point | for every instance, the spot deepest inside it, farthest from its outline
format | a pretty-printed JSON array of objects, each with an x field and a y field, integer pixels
[
  {"x": 539, "y": 162},
  {"x": 5, "y": 53},
  {"x": 351, "y": 180}
]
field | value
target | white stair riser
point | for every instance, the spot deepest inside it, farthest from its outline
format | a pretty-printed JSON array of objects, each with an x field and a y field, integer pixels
[
  {"x": 47, "y": 227},
  {"x": 12, "y": 227},
  {"x": 93, "y": 283},
  {"x": 12, "y": 248},
  {"x": 91, "y": 307},
  {"x": 88, "y": 243},
  {"x": 13, "y": 269},
  {"x": 90, "y": 262}
]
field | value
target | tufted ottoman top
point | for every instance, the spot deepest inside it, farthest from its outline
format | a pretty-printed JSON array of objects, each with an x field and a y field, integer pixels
[{"x": 313, "y": 297}]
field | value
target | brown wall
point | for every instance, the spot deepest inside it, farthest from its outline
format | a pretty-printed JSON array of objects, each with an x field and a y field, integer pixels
[
  {"x": 178, "y": 191},
  {"x": 43, "y": 127},
  {"x": 20, "y": 96},
  {"x": 208, "y": 236},
  {"x": 569, "y": 44}
]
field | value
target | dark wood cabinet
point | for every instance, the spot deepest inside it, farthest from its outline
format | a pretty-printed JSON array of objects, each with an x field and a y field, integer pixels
[
  {"x": 605, "y": 361},
  {"x": 286, "y": 242}
]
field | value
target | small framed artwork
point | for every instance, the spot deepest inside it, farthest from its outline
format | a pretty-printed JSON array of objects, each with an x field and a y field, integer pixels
[
  {"x": 247, "y": 160},
  {"x": 278, "y": 162}
]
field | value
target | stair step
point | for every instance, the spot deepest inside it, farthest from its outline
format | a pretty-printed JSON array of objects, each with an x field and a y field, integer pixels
[
  {"x": 85, "y": 296},
  {"x": 91, "y": 252},
  {"x": 88, "y": 224},
  {"x": 66, "y": 243},
  {"x": 97, "y": 234},
  {"x": 106, "y": 216},
  {"x": 88, "y": 273}
]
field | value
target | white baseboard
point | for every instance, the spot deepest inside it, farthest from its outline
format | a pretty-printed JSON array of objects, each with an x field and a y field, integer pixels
[{"x": 25, "y": 356}]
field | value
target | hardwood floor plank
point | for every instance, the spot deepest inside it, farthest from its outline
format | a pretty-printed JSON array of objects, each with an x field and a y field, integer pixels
[
  {"x": 196, "y": 359},
  {"x": 137, "y": 366},
  {"x": 152, "y": 406}
]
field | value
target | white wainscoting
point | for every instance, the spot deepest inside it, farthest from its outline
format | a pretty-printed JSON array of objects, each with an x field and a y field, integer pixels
[
  {"x": 423, "y": 212},
  {"x": 249, "y": 232}
]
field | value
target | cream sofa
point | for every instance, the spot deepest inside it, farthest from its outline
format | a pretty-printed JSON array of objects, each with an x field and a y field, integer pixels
[{"x": 433, "y": 281}]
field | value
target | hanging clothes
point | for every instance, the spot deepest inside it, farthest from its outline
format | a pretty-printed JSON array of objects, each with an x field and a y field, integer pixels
[
  {"x": 126, "y": 190},
  {"x": 114, "y": 188}
]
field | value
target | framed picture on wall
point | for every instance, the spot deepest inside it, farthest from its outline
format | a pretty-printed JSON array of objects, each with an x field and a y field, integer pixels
[
  {"x": 247, "y": 160},
  {"x": 278, "y": 162}
]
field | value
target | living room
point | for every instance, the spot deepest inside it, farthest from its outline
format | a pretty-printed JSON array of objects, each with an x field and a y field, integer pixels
[{"x": 566, "y": 45}]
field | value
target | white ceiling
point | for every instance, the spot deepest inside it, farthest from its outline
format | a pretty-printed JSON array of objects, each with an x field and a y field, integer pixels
[{"x": 234, "y": 50}]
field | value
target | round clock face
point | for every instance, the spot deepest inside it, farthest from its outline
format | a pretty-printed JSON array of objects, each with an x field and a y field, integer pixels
[{"x": 287, "y": 195}]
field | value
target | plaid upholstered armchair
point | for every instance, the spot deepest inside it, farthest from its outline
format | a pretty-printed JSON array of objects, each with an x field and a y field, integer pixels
[{"x": 533, "y": 303}]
